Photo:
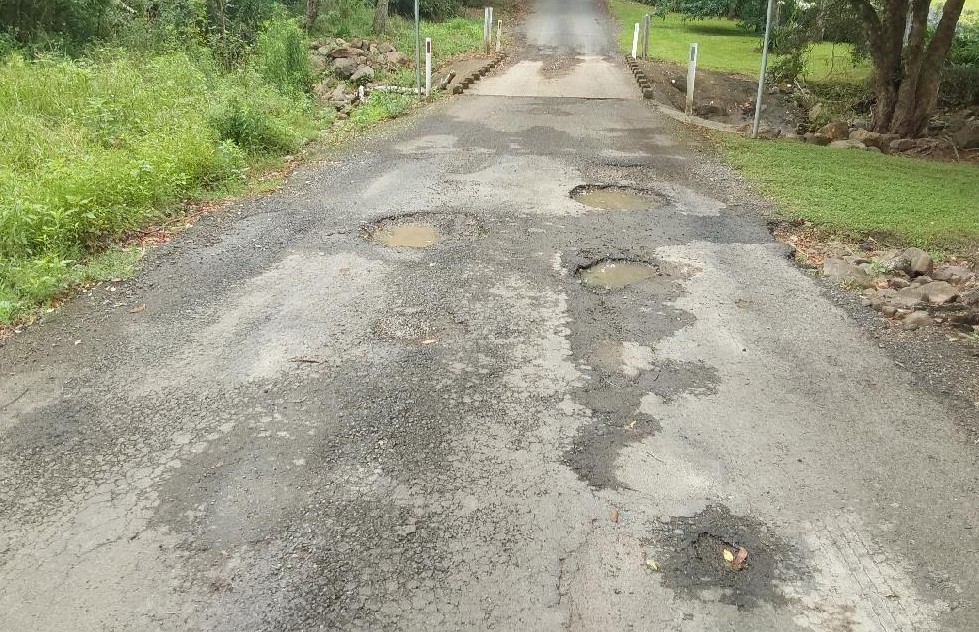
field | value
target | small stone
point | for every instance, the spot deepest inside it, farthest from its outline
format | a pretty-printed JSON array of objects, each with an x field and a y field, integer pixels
[
  {"x": 817, "y": 139},
  {"x": 847, "y": 144},
  {"x": 888, "y": 310},
  {"x": 907, "y": 298},
  {"x": 363, "y": 75},
  {"x": 899, "y": 282},
  {"x": 870, "y": 139},
  {"x": 344, "y": 67},
  {"x": 952, "y": 274},
  {"x": 902, "y": 144},
  {"x": 921, "y": 280},
  {"x": 914, "y": 320}
]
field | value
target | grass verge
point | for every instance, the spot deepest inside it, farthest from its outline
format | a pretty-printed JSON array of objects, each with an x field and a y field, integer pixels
[
  {"x": 723, "y": 46},
  {"x": 858, "y": 194}
]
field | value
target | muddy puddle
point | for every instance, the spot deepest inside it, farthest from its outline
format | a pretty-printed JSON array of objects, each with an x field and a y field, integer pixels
[
  {"x": 407, "y": 235},
  {"x": 610, "y": 275},
  {"x": 616, "y": 198}
]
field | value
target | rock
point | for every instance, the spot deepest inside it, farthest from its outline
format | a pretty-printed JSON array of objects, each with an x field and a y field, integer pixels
[
  {"x": 870, "y": 139},
  {"x": 902, "y": 144},
  {"x": 914, "y": 320},
  {"x": 704, "y": 110},
  {"x": 967, "y": 136},
  {"x": 385, "y": 48},
  {"x": 886, "y": 140},
  {"x": 952, "y": 274},
  {"x": 919, "y": 262},
  {"x": 939, "y": 292},
  {"x": 817, "y": 139},
  {"x": 395, "y": 58},
  {"x": 344, "y": 67},
  {"x": 899, "y": 283},
  {"x": 836, "y": 130},
  {"x": 342, "y": 53},
  {"x": 970, "y": 299},
  {"x": 363, "y": 75},
  {"x": 860, "y": 124},
  {"x": 847, "y": 144},
  {"x": 844, "y": 272},
  {"x": 907, "y": 298},
  {"x": 356, "y": 43},
  {"x": 921, "y": 280},
  {"x": 816, "y": 111}
]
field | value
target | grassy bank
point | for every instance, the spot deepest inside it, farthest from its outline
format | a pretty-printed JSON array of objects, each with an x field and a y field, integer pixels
[
  {"x": 92, "y": 148},
  {"x": 858, "y": 194},
  {"x": 723, "y": 46}
]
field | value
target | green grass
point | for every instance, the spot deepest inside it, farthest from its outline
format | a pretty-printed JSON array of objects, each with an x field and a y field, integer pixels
[
  {"x": 723, "y": 46},
  {"x": 856, "y": 193}
]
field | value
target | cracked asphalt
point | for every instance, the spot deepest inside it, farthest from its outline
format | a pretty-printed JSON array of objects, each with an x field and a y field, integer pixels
[{"x": 305, "y": 429}]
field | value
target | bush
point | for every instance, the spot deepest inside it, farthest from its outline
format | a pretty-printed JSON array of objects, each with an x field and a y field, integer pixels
[
  {"x": 960, "y": 86},
  {"x": 282, "y": 56}
]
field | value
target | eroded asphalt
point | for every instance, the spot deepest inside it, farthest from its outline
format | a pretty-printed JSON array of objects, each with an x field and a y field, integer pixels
[{"x": 306, "y": 429}]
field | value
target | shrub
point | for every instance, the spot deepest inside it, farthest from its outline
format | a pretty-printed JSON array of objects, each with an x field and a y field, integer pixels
[{"x": 282, "y": 56}]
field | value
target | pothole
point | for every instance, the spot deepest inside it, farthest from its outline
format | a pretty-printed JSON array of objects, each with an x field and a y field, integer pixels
[
  {"x": 421, "y": 230},
  {"x": 616, "y": 198},
  {"x": 407, "y": 235},
  {"x": 615, "y": 274}
]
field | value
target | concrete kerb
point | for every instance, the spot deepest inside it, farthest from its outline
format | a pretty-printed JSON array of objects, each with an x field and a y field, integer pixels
[{"x": 478, "y": 74}]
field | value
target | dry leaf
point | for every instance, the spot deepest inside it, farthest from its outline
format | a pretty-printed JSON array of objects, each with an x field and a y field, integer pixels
[
  {"x": 728, "y": 556},
  {"x": 614, "y": 515},
  {"x": 430, "y": 341},
  {"x": 652, "y": 564},
  {"x": 740, "y": 559},
  {"x": 138, "y": 309}
]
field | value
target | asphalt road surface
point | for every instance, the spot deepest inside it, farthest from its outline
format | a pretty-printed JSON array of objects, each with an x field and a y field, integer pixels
[{"x": 306, "y": 428}]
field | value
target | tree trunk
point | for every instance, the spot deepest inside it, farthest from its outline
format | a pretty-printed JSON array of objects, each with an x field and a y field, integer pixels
[
  {"x": 907, "y": 65},
  {"x": 380, "y": 17},
  {"x": 312, "y": 14}
]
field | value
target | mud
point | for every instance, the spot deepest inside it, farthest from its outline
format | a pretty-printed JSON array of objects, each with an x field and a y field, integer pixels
[
  {"x": 616, "y": 198},
  {"x": 612, "y": 275}
]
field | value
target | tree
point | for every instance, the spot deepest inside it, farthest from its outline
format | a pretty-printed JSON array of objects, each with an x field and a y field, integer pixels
[
  {"x": 312, "y": 14},
  {"x": 907, "y": 58},
  {"x": 380, "y": 17}
]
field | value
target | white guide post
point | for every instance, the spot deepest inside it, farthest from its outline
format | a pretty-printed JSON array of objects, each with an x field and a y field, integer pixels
[
  {"x": 635, "y": 41},
  {"x": 691, "y": 77},
  {"x": 499, "y": 36},
  {"x": 428, "y": 66}
]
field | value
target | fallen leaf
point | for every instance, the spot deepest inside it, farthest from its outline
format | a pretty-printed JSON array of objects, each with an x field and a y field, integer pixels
[
  {"x": 430, "y": 341},
  {"x": 652, "y": 564},
  {"x": 728, "y": 556},
  {"x": 614, "y": 515},
  {"x": 138, "y": 309}
]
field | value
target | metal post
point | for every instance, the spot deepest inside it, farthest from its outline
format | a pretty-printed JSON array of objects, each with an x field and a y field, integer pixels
[
  {"x": 635, "y": 41},
  {"x": 499, "y": 36},
  {"x": 645, "y": 36},
  {"x": 428, "y": 66},
  {"x": 764, "y": 70},
  {"x": 418, "y": 52},
  {"x": 691, "y": 77}
]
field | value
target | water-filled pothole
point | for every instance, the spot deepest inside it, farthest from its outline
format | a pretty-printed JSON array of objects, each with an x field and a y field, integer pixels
[
  {"x": 615, "y": 274},
  {"x": 407, "y": 235},
  {"x": 616, "y": 198}
]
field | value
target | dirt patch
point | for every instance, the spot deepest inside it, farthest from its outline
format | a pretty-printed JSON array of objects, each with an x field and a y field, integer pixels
[
  {"x": 421, "y": 230},
  {"x": 718, "y": 556},
  {"x": 724, "y": 97}
]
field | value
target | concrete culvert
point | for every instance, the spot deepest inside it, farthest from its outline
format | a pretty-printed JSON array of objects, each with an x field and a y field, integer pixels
[{"x": 616, "y": 198}]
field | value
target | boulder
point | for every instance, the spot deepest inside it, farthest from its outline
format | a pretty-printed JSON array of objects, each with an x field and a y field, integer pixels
[
  {"x": 836, "y": 130},
  {"x": 870, "y": 139},
  {"x": 385, "y": 48},
  {"x": 915, "y": 320},
  {"x": 902, "y": 144},
  {"x": 363, "y": 75},
  {"x": 844, "y": 272},
  {"x": 886, "y": 140},
  {"x": 970, "y": 299},
  {"x": 967, "y": 136},
  {"x": 344, "y": 67},
  {"x": 847, "y": 144},
  {"x": 342, "y": 53},
  {"x": 939, "y": 292}
]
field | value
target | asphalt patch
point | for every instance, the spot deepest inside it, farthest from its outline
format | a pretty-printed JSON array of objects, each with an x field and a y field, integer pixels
[{"x": 692, "y": 559}]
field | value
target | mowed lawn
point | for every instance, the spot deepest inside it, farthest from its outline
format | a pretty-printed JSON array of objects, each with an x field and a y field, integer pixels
[
  {"x": 723, "y": 46},
  {"x": 933, "y": 205}
]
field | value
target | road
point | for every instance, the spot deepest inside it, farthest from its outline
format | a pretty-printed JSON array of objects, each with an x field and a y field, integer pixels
[{"x": 282, "y": 423}]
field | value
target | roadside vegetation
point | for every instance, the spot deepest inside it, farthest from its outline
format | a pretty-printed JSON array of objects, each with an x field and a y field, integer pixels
[
  {"x": 114, "y": 113},
  {"x": 857, "y": 194}
]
